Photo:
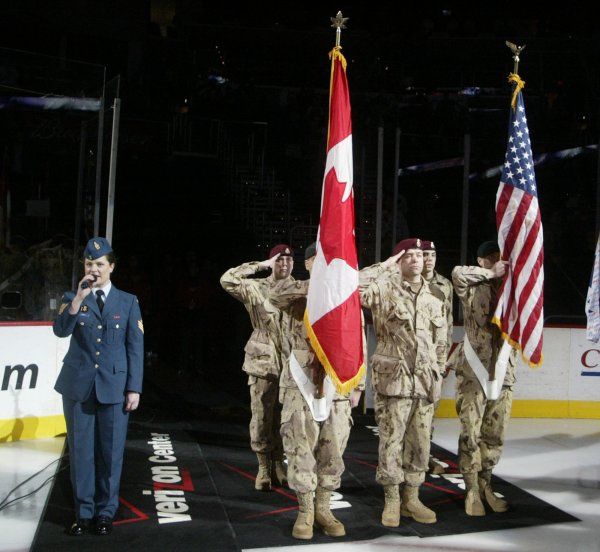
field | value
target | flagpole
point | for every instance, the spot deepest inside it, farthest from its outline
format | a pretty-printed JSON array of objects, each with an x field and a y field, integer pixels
[{"x": 378, "y": 208}]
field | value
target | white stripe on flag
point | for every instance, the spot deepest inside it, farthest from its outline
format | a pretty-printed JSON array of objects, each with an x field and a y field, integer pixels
[{"x": 339, "y": 280}]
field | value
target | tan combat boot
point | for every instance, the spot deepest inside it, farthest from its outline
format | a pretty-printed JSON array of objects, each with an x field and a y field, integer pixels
[
  {"x": 391, "y": 511},
  {"x": 473, "y": 504},
  {"x": 331, "y": 526},
  {"x": 414, "y": 508},
  {"x": 263, "y": 477},
  {"x": 486, "y": 492},
  {"x": 303, "y": 528},
  {"x": 279, "y": 470}
]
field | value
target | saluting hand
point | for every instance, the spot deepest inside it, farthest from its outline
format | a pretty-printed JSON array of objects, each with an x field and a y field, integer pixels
[
  {"x": 269, "y": 263},
  {"x": 391, "y": 261},
  {"x": 132, "y": 401}
]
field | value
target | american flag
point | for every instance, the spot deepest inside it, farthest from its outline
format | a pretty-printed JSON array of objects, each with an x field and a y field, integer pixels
[
  {"x": 520, "y": 310},
  {"x": 592, "y": 303}
]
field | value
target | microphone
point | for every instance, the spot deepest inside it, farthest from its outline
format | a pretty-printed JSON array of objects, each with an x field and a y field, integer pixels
[{"x": 86, "y": 284}]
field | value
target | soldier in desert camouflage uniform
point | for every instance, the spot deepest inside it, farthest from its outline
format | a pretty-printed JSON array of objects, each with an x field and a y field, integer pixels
[
  {"x": 262, "y": 361},
  {"x": 442, "y": 288},
  {"x": 411, "y": 351},
  {"x": 483, "y": 422},
  {"x": 314, "y": 449}
]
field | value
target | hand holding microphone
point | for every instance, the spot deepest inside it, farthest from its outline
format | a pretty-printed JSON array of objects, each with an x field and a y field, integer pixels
[
  {"x": 86, "y": 283},
  {"x": 83, "y": 290},
  {"x": 85, "y": 286}
]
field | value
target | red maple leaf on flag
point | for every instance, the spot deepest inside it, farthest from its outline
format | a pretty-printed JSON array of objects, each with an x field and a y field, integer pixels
[{"x": 335, "y": 215}]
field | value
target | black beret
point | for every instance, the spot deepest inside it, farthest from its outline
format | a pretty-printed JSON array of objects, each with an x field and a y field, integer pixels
[
  {"x": 487, "y": 248},
  {"x": 310, "y": 251}
]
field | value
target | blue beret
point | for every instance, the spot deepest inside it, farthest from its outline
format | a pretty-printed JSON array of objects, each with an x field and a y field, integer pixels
[{"x": 96, "y": 248}]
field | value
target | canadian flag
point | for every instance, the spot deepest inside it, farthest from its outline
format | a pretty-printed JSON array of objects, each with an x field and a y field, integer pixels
[{"x": 333, "y": 314}]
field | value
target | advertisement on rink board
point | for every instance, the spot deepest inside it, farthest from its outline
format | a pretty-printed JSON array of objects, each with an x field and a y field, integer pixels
[
  {"x": 30, "y": 360},
  {"x": 585, "y": 355}
]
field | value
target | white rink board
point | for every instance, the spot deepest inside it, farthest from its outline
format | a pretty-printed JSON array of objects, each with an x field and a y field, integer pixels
[
  {"x": 562, "y": 376},
  {"x": 30, "y": 346}
]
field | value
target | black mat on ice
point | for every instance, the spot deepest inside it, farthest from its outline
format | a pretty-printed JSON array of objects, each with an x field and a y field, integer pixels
[
  {"x": 198, "y": 522},
  {"x": 226, "y": 513}
]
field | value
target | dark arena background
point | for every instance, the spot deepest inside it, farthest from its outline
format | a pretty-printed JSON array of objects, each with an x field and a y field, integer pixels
[{"x": 221, "y": 128}]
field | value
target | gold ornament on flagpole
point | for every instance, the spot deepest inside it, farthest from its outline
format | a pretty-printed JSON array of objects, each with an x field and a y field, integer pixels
[
  {"x": 516, "y": 50},
  {"x": 514, "y": 76},
  {"x": 338, "y": 23}
]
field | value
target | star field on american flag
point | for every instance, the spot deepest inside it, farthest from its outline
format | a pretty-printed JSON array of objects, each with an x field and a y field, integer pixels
[{"x": 518, "y": 167}]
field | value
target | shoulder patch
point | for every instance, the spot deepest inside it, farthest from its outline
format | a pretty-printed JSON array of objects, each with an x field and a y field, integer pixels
[
  {"x": 62, "y": 308},
  {"x": 141, "y": 326}
]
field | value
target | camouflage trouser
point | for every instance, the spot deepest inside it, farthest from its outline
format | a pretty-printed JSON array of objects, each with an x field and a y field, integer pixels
[
  {"x": 435, "y": 407},
  {"x": 404, "y": 439},
  {"x": 266, "y": 416},
  {"x": 482, "y": 425},
  {"x": 314, "y": 449}
]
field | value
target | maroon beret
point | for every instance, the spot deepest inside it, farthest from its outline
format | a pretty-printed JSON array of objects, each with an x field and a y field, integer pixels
[
  {"x": 409, "y": 243},
  {"x": 427, "y": 245},
  {"x": 283, "y": 249}
]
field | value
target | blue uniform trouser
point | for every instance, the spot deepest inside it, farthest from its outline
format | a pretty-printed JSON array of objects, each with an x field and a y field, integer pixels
[{"x": 96, "y": 434}]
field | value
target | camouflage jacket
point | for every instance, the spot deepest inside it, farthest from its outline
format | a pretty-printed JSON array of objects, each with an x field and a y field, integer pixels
[
  {"x": 411, "y": 335},
  {"x": 263, "y": 350},
  {"x": 476, "y": 288},
  {"x": 442, "y": 288},
  {"x": 291, "y": 298}
]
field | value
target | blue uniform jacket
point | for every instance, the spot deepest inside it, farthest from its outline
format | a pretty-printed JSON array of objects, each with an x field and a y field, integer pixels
[{"x": 106, "y": 350}]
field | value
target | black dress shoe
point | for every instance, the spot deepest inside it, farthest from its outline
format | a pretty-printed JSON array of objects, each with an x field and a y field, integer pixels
[
  {"x": 80, "y": 526},
  {"x": 104, "y": 525}
]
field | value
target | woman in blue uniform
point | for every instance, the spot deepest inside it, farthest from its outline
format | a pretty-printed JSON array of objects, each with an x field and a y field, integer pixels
[{"x": 100, "y": 383}]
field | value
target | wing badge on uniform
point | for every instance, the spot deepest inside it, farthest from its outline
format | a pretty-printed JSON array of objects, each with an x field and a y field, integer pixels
[
  {"x": 141, "y": 326},
  {"x": 84, "y": 308}
]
